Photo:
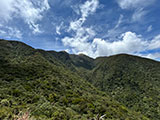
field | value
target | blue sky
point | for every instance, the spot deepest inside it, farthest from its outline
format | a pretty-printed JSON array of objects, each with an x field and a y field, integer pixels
[{"x": 93, "y": 27}]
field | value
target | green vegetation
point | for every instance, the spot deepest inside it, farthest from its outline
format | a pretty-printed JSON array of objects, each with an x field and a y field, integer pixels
[
  {"x": 53, "y": 85},
  {"x": 133, "y": 81}
]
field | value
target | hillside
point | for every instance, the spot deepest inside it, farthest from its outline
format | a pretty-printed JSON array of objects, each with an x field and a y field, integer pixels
[
  {"x": 36, "y": 81},
  {"x": 132, "y": 80}
]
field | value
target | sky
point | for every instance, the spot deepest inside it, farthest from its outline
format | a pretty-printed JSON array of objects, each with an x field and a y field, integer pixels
[{"x": 92, "y": 27}]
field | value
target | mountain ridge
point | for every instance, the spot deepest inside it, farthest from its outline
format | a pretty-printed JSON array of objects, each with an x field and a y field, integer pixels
[
  {"x": 112, "y": 75},
  {"x": 34, "y": 80}
]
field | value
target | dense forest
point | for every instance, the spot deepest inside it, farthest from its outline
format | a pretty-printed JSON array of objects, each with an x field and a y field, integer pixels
[{"x": 52, "y": 85}]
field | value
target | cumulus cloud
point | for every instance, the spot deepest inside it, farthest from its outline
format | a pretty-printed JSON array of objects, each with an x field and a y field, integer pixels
[
  {"x": 80, "y": 42},
  {"x": 83, "y": 38},
  {"x": 30, "y": 11},
  {"x": 130, "y": 43}
]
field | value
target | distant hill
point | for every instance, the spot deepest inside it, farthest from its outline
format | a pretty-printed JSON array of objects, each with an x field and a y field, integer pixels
[{"x": 44, "y": 83}]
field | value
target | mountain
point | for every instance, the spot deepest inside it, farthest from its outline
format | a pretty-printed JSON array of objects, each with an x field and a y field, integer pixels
[
  {"x": 44, "y": 84},
  {"x": 131, "y": 80}
]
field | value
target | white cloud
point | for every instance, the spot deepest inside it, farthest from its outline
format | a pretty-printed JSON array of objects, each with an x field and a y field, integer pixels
[
  {"x": 136, "y": 5},
  {"x": 30, "y": 11},
  {"x": 119, "y": 21},
  {"x": 138, "y": 14},
  {"x": 150, "y": 28},
  {"x": 6, "y": 9},
  {"x": 83, "y": 38},
  {"x": 58, "y": 28},
  {"x": 32, "y": 14},
  {"x": 155, "y": 56},
  {"x": 130, "y": 43},
  {"x": 9, "y": 32},
  {"x": 89, "y": 7},
  {"x": 76, "y": 9},
  {"x": 155, "y": 43},
  {"x": 130, "y": 4},
  {"x": 79, "y": 41},
  {"x": 115, "y": 31},
  {"x": 15, "y": 33},
  {"x": 86, "y": 9},
  {"x": 2, "y": 33}
]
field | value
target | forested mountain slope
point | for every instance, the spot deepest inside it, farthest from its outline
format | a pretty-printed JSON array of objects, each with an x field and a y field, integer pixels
[
  {"x": 36, "y": 81},
  {"x": 132, "y": 80}
]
